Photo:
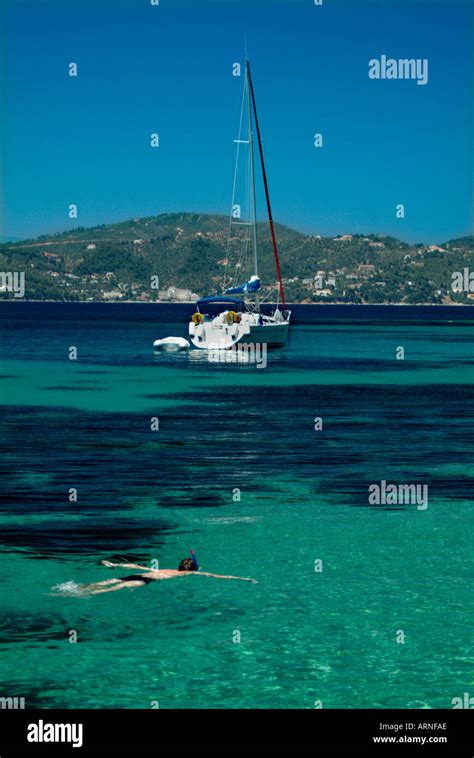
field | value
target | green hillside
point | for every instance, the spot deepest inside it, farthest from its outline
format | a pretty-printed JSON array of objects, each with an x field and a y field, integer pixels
[{"x": 187, "y": 251}]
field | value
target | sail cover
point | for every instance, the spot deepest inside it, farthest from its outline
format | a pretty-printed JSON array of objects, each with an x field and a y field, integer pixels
[{"x": 251, "y": 286}]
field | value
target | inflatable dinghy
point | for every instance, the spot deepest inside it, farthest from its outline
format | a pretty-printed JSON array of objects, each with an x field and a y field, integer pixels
[{"x": 171, "y": 344}]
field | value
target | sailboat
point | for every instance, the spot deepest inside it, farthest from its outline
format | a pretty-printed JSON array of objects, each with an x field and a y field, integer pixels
[{"x": 240, "y": 317}]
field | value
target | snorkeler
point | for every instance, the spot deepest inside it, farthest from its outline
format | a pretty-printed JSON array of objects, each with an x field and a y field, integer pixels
[{"x": 186, "y": 567}]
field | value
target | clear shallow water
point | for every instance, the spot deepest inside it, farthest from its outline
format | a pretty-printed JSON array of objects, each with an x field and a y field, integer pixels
[{"x": 305, "y": 636}]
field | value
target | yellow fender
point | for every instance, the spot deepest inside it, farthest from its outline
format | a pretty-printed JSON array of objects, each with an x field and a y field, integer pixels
[{"x": 197, "y": 318}]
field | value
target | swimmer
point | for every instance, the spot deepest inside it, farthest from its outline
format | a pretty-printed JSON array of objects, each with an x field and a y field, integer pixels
[{"x": 186, "y": 567}]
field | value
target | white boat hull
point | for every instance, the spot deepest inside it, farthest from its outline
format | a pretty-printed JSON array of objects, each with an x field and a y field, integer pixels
[
  {"x": 272, "y": 334},
  {"x": 219, "y": 335}
]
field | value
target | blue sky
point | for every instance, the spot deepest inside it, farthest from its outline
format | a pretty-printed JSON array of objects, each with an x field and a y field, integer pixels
[{"x": 168, "y": 69}]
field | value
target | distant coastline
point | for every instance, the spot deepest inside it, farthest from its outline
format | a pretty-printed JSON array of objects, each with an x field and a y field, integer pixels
[
  {"x": 190, "y": 303},
  {"x": 179, "y": 257}
]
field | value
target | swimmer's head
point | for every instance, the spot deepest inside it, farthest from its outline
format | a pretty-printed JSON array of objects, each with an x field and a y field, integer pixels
[{"x": 187, "y": 564}]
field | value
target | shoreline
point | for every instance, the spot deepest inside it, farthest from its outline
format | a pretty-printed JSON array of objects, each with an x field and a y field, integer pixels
[{"x": 193, "y": 302}]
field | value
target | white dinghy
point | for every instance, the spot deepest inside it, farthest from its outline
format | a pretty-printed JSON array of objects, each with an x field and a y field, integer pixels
[{"x": 171, "y": 344}]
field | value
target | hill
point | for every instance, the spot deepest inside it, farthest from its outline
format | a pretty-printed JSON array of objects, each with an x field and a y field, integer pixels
[{"x": 189, "y": 254}]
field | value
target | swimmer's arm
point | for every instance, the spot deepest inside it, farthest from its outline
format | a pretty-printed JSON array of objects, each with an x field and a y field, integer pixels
[
  {"x": 125, "y": 565},
  {"x": 221, "y": 576}
]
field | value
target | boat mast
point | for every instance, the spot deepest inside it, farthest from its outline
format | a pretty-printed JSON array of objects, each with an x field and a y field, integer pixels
[
  {"x": 253, "y": 202},
  {"x": 267, "y": 195}
]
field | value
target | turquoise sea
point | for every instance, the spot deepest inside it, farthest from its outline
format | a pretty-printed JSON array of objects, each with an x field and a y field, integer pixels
[{"x": 385, "y": 624}]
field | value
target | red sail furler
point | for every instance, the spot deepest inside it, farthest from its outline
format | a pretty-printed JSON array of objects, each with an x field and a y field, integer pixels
[{"x": 267, "y": 195}]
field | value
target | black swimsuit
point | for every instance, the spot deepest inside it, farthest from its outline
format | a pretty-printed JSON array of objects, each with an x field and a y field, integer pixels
[{"x": 137, "y": 578}]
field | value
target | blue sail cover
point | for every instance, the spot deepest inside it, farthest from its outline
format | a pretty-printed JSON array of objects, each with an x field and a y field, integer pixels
[{"x": 251, "y": 286}]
